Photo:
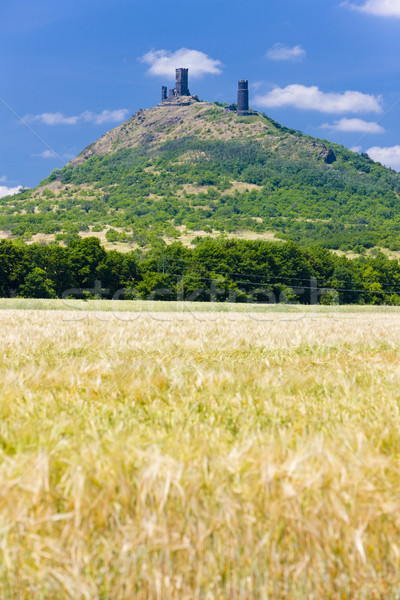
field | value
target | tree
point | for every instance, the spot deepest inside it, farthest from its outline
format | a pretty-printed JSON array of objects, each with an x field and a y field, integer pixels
[
  {"x": 14, "y": 265},
  {"x": 84, "y": 257},
  {"x": 37, "y": 285},
  {"x": 118, "y": 271}
]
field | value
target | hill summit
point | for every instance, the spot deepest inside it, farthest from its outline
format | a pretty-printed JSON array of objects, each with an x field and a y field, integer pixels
[
  {"x": 191, "y": 119},
  {"x": 193, "y": 166}
]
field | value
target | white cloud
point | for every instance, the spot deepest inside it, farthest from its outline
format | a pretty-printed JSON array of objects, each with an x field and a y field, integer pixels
[
  {"x": 390, "y": 157},
  {"x": 312, "y": 98},
  {"x": 256, "y": 85},
  {"x": 52, "y": 155},
  {"x": 3, "y": 178},
  {"x": 107, "y": 116},
  {"x": 57, "y": 118},
  {"x": 354, "y": 126},
  {"x": 281, "y": 52},
  {"x": 52, "y": 119},
  {"x": 9, "y": 191},
  {"x": 380, "y": 8},
  {"x": 46, "y": 154},
  {"x": 163, "y": 62}
]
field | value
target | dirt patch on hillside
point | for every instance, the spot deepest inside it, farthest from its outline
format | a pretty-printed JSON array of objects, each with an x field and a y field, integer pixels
[
  {"x": 197, "y": 189},
  {"x": 241, "y": 186}
]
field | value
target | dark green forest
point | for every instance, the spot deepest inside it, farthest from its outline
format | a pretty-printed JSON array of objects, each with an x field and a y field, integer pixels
[{"x": 214, "y": 270}]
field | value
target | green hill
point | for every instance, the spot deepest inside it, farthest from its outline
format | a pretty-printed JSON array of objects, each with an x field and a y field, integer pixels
[{"x": 198, "y": 167}]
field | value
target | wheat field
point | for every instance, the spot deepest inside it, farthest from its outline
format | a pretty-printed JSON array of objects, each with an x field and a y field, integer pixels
[{"x": 199, "y": 455}]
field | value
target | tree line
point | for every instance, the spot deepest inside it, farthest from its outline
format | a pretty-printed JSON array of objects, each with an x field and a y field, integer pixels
[{"x": 222, "y": 270}]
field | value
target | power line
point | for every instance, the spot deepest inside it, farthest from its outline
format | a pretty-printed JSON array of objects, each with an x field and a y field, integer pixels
[
  {"x": 267, "y": 279},
  {"x": 316, "y": 287}
]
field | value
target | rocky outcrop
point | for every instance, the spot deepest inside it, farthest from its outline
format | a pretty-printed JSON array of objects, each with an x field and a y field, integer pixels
[
  {"x": 330, "y": 157},
  {"x": 326, "y": 153}
]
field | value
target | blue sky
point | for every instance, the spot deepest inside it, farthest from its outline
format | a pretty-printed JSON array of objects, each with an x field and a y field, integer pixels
[{"x": 73, "y": 69}]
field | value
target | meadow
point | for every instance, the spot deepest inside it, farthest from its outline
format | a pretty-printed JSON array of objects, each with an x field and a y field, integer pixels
[{"x": 195, "y": 454}]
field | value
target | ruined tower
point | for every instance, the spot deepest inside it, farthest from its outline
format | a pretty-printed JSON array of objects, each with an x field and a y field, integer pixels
[
  {"x": 182, "y": 82},
  {"x": 243, "y": 97},
  {"x": 181, "y": 87}
]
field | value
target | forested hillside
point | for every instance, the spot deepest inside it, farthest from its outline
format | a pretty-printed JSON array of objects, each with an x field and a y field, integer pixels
[{"x": 201, "y": 168}]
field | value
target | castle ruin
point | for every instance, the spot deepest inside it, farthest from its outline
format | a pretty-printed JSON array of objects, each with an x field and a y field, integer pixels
[
  {"x": 182, "y": 82},
  {"x": 180, "y": 90},
  {"x": 180, "y": 95}
]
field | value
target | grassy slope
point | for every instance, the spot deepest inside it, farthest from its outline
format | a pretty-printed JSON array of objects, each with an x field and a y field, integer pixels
[
  {"x": 201, "y": 168},
  {"x": 194, "y": 459}
]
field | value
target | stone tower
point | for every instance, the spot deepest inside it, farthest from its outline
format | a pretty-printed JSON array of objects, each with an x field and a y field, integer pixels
[
  {"x": 182, "y": 82},
  {"x": 243, "y": 97},
  {"x": 179, "y": 95}
]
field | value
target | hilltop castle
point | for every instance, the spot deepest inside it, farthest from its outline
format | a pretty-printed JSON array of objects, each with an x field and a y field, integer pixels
[
  {"x": 181, "y": 88},
  {"x": 180, "y": 95}
]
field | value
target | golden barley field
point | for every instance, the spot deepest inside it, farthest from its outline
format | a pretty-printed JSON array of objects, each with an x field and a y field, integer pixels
[{"x": 199, "y": 455}]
